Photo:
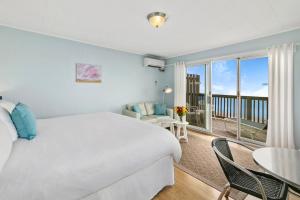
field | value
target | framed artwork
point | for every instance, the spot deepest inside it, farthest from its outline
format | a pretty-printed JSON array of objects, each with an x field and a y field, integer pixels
[{"x": 86, "y": 73}]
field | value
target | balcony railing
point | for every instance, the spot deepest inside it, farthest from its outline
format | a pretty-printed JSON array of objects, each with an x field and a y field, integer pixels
[{"x": 253, "y": 109}]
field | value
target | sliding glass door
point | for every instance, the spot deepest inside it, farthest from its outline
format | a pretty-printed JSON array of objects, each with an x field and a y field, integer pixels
[
  {"x": 224, "y": 94},
  {"x": 240, "y": 98},
  {"x": 198, "y": 96},
  {"x": 254, "y": 99}
]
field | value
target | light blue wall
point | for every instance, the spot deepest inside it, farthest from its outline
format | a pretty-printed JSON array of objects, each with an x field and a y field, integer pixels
[
  {"x": 253, "y": 45},
  {"x": 40, "y": 71}
]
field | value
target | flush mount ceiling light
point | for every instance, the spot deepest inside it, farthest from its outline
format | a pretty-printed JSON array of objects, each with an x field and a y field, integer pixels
[{"x": 157, "y": 19}]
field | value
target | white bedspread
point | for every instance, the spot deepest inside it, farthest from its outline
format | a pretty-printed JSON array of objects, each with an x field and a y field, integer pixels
[{"x": 74, "y": 156}]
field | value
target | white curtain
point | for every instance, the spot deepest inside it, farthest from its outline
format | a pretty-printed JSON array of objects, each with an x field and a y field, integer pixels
[
  {"x": 180, "y": 84},
  {"x": 280, "y": 123}
]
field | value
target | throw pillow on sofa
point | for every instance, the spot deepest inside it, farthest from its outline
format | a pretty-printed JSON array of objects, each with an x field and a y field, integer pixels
[
  {"x": 160, "y": 109},
  {"x": 149, "y": 108},
  {"x": 142, "y": 108},
  {"x": 136, "y": 108}
]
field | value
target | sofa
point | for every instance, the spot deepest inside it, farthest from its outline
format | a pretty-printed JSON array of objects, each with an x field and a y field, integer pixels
[{"x": 147, "y": 112}]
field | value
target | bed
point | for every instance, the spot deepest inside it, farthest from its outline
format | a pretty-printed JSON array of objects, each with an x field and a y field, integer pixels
[{"x": 91, "y": 157}]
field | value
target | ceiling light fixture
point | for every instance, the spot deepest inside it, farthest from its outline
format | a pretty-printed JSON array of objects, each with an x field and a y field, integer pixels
[{"x": 157, "y": 19}]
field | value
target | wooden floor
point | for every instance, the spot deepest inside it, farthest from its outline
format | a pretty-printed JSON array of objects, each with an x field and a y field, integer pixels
[{"x": 190, "y": 188}]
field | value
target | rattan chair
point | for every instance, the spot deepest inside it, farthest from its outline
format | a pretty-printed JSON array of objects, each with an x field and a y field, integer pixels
[{"x": 260, "y": 185}]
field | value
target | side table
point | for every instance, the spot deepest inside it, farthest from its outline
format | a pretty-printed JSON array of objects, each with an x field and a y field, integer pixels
[{"x": 182, "y": 125}]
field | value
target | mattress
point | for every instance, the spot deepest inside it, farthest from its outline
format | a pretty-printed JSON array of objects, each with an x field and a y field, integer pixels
[{"x": 75, "y": 156}]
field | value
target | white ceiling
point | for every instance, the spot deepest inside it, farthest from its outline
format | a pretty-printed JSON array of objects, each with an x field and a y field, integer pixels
[{"x": 193, "y": 25}]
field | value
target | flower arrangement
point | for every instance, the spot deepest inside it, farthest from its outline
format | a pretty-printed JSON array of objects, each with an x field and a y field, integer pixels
[{"x": 181, "y": 111}]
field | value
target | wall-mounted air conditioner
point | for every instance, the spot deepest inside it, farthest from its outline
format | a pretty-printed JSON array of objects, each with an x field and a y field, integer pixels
[{"x": 156, "y": 63}]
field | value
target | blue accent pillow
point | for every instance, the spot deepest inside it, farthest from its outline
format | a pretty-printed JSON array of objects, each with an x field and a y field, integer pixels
[
  {"x": 160, "y": 109},
  {"x": 136, "y": 108},
  {"x": 24, "y": 121}
]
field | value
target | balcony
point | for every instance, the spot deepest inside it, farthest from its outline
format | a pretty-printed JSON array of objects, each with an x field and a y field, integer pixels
[{"x": 253, "y": 114}]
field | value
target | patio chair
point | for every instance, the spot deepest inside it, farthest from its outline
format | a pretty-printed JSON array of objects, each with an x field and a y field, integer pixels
[
  {"x": 260, "y": 185},
  {"x": 191, "y": 115}
]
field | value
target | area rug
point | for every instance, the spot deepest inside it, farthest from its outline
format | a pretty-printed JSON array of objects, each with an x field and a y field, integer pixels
[{"x": 199, "y": 160}]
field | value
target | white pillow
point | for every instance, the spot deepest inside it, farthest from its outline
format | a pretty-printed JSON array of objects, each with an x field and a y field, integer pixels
[
  {"x": 149, "y": 108},
  {"x": 143, "y": 108},
  {"x": 5, "y": 144},
  {"x": 6, "y": 120},
  {"x": 9, "y": 106}
]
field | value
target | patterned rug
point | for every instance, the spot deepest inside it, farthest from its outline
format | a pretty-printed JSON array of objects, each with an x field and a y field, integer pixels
[{"x": 199, "y": 160}]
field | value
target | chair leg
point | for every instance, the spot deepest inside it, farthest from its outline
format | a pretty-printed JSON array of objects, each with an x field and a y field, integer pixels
[
  {"x": 227, "y": 186},
  {"x": 227, "y": 193},
  {"x": 294, "y": 191}
]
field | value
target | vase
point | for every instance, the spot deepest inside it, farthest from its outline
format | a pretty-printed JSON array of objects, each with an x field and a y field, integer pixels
[{"x": 180, "y": 117}]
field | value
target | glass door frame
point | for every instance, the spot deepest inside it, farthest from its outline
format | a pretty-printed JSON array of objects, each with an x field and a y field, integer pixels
[
  {"x": 238, "y": 96},
  {"x": 208, "y": 97}
]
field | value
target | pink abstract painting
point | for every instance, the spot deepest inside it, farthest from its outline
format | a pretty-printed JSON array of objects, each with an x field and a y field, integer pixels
[{"x": 88, "y": 73}]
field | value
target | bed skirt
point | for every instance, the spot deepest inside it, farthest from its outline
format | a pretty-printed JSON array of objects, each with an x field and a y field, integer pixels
[{"x": 143, "y": 185}]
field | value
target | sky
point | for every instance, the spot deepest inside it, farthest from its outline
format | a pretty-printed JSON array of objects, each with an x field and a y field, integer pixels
[{"x": 254, "y": 77}]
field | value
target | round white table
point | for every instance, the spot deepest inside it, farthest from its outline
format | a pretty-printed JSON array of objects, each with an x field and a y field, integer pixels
[{"x": 283, "y": 164}]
